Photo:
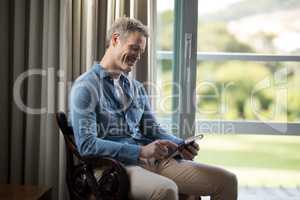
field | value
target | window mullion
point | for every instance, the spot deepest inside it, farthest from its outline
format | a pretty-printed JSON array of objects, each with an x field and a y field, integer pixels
[{"x": 185, "y": 64}]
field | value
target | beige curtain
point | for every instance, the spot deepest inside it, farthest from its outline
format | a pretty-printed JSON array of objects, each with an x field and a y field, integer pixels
[{"x": 45, "y": 45}]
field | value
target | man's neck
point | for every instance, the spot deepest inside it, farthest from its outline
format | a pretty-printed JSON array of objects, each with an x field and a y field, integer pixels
[{"x": 108, "y": 64}]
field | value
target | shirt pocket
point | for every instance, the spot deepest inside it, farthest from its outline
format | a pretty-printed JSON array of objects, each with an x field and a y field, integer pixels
[
  {"x": 137, "y": 110},
  {"x": 111, "y": 123}
]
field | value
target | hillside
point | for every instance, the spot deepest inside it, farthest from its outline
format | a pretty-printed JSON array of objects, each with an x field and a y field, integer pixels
[{"x": 249, "y": 7}]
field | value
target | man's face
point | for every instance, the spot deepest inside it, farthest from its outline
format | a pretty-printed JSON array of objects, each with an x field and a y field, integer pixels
[{"x": 128, "y": 50}]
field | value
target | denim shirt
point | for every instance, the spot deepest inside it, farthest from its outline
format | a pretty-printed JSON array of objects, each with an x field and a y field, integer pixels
[{"x": 103, "y": 126}]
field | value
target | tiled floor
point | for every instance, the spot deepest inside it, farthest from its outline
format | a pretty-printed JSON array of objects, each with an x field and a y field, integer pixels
[{"x": 251, "y": 193}]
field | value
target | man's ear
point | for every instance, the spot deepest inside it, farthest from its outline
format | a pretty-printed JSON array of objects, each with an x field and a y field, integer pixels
[{"x": 115, "y": 39}]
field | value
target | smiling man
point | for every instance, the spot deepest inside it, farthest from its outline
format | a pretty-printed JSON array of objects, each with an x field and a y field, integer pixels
[{"x": 111, "y": 116}]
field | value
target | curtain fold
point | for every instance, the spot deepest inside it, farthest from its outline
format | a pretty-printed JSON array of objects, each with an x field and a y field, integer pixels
[
  {"x": 33, "y": 92},
  {"x": 100, "y": 36},
  {"x": 76, "y": 30},
  {"x": 17, "y": 120},
  {"x": 5, "y": 61},
  {"x": 64, "y": 77},
  {"x": 49, "y": 134}
]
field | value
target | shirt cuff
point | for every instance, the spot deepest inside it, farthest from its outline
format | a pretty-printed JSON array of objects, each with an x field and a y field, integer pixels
[
  {"x": 177, "y": 140},
  {"x": 129, "y": 154}
]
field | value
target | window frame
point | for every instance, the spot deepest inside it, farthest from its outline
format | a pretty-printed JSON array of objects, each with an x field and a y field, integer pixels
[{"x": 184, "y": 24}]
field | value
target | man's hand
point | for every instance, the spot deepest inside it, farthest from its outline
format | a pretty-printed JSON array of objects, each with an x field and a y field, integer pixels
[
  {"x": 190, "y": 151},
  {"x": 158, "y": 149}
]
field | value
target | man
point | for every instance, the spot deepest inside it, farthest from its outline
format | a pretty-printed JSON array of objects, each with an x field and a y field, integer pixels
[{"x": 111, "y": 116}]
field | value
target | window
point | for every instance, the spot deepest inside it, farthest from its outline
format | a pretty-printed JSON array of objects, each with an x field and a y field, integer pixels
[{"x": 244, "y": 73}]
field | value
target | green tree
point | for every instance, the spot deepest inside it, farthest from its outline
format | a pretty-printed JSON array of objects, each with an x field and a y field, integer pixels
[
  {"x": 241, "y": 78},
  {"x": 215, "y": 37},
  {"x": 165, "y": 27}
]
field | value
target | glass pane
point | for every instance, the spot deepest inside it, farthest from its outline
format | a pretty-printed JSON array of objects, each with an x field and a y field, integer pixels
[
  {"x": 266, "y": 26},
  {"x": 243, "y": 90},
  {"x": 164, "y": 48}
]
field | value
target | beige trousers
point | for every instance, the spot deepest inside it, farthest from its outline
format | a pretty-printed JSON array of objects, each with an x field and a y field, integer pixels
[{"x": 165, "y": 180}]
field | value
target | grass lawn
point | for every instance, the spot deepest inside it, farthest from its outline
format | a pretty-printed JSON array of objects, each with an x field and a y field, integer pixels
[{"x": 258, "y": 160}]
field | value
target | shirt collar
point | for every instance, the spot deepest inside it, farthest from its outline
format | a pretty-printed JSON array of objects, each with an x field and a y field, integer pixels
[
  {"x": 103, "y": 73},
  {"x": 100, "y": 71}
]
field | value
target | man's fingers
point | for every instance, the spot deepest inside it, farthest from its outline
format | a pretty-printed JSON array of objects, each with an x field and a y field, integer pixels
[
  {"x": 196, "y": 146},
  {"x": 160, "y": 155},
  {"x": 161, "y": 149},
  {"x": 192, "y": 149},
  {"x": 168, "y": 144},
  {"x": 186, "y": 154}
]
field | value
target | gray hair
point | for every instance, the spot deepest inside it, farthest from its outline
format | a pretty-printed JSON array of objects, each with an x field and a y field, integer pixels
[{"x": 125, "y": 25}]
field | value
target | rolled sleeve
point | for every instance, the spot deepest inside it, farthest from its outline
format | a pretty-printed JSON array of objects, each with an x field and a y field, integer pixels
[{"x": 129, "y": 153}]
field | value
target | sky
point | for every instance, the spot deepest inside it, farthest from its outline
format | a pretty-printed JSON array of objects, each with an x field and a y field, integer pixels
[{"x": 204, "y": 6}]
